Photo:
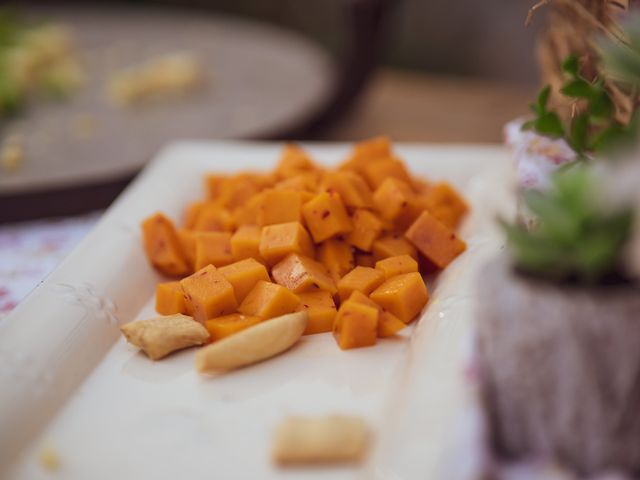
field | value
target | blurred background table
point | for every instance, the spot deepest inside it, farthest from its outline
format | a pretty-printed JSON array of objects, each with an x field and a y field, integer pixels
[{"x": 420, "y": 107}]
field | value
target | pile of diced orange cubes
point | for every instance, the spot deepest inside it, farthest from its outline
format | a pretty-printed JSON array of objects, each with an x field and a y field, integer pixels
[{"x": 346, "y": 245}]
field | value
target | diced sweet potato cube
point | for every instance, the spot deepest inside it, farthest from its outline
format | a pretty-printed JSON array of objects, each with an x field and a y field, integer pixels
[
  {"x": 366, "y": 151},
  {"x": 444, "y": 203},
  {"x": 208, "y": 294},
  {"x": 191, "y": 213},
  {"x": 247, "y": 213},
  {"x": 397, "y": 265},
  {"x": 372, "y": 148},
  {"x": 326, "y": 216},
  {"x": 228, "y": 325},
  {"x": 213, "y": 218},
  {"x": 268, "y": 300},
  {"x": 361, "y": 279},
  {"x": 434, "y": 240},
  {"x": 187, "y": 239},
  {"x": 321, "y": 309},
  {"x": 293, "y": 160},
  {"x": 245, "y": 243},
  {"x": 367, "y": 227},
  {"x": 279, "y": 206},
  {"x": 420, "y": 185},
  {"x": 396, "y": 202},
  {"x": 364, "y": 260},
  {"x": 352, "y": 188},
  {"x": 359, "y": 297},
  {"x": 403, "y": 295},
  {"x": 299, "y": 273},
  {"x": 277, "y": 241},
  {"x": 392, "y": 246},
  {"x": 244, "y": 275},
  {"x": 356, "y": 325},
  {"x": 213, "y": 185},
  {"x": 162, "y": 246},
  {"x": 213, "y": 248},
  {"x": 388, "y": 324},
  {"x": 237, "y": 190},
  {"x": 377, "y": 172},
  {"x": 306, "y": 181},
  {"x": 170, "y": 299},
  {"x": 337, "y": 257}
]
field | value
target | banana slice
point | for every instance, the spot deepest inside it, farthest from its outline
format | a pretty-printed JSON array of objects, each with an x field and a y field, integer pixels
[{"x": 257, "y": 343}]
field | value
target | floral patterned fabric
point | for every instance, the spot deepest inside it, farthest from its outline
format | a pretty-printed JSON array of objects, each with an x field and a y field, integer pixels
[{"x": 30, "y": 250}]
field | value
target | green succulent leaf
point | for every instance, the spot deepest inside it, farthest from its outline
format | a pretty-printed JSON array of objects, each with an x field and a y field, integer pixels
[
  {"x": 571, "y": 65},
  {"x": 549, "y": 124},
  {"x": 578, "y": 88},
  {"x": 543, "y": 99},
  {"x": 576, "y": 238},
  {"x": 578, "y": 138}
]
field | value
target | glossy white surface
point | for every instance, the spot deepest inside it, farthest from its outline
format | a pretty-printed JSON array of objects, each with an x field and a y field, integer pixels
[{"x": 132, "y": 418}]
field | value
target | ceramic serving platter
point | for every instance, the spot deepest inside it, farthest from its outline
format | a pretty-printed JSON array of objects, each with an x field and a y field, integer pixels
[{"x": 71, "y": 388}]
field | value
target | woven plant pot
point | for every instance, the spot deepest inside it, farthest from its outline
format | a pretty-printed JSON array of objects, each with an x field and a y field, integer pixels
[{"x": 561, "y": 370}]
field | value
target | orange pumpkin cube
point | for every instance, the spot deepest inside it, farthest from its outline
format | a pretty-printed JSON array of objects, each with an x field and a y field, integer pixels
[
  {"x": 396, "y": 202},
  {"x": 375, "y": 173},
  {"x": 208, "y": 294},
  {"x": 444, "y": 203},
  {"x": 367, "y": 151},
  {"x": 213, "y": 185},
  {"x": 352, "y": 188},
  {"x": 397, "y": 265},
  {"x": 293, "y": 160},
  {"x": 245, "y": 243},
  {"x": 213, "y": 218},
  {"x": 361, "y": 279},
  {"x": 434, "y": 240},
  {"x": 228, "y": 325},
  {"x": 403, "y": 295},
  {"x": 237, "y": 190},
  {"x": 244, "y": 275},
  {"x": 356, "y": 325},
  {"x": 337, "y": 257},
  {"x": 299, "y": 273},
  {"x": 187, "y": 239},
  {"x": 247, "y": 213},
  {"x": 321, "y": 310},
  {"x": 301, "y": 182},
  {"x": 191, "y": 213},
  {"x": 364, "y": 260},
  {"x": 392, "y": 246},
  {"x": 213, "y": 248},
  {"x": 367, "y": 227},
  {"x": 279, "y": 206},
  {"x": 372, "y": 148},
  {"x": 277, "y": 241},
  {"x": 326, "y": 216},
  {"x": 268, "y": 300},
  {"x": 162, "y": 247},
  {"x": 388, "y": 324},
  {"x": 170, "y": 299}
]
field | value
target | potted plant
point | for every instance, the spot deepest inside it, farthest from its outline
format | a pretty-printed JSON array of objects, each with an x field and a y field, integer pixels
[{"x": 559, "y": 315}]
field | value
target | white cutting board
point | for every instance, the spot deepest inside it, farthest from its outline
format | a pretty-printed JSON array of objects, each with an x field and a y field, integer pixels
[{"x": 69, "y": 383}]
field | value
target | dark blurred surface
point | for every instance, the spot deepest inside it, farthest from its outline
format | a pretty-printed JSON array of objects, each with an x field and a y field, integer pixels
[
  {"x": 415, "y": 70},
  {"x": 486, "y": 38}
]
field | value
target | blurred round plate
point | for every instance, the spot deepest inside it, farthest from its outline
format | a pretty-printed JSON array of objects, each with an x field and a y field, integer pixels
[{"x": 261, "y": 81}]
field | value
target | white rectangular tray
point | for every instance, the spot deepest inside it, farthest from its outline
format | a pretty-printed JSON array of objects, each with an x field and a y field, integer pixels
[{"x": 70, "y": 384}]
